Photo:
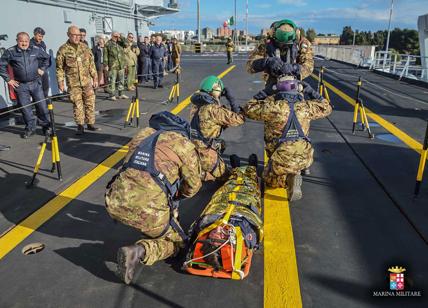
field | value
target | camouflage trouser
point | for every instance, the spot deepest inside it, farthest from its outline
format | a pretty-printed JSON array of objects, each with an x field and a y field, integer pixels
[
  {"x": 116, "y": 77},
  {"x": 212, "y": 164},
  {"x": 132, "y": 74},
  {"x": 289, "y": 158},
  {"x": 161, "y": 248},
  {"x": 83, "y": 99}
]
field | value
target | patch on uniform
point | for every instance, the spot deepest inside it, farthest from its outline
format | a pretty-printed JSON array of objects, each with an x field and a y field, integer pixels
[{"x": 304, "y": 46}]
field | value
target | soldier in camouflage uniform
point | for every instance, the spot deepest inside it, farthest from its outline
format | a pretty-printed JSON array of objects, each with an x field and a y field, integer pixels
[
  {"x": 135, "y": 198},
  {"x": 114, "y": 63},
  {"x": 208, "y": 119},
  {"x": 229, "y": 50},
  {"x": 287, "y": 145},
  {"x": 75, "y": 64},
  {"x": 295, "y": 54},
  {"x": 131, "y": 52}
]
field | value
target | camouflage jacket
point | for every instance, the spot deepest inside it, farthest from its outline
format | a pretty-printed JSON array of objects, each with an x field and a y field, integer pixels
[
  {"x": 275, "y": 115},
  {"x": 114, "y": 55},
  {"x": 176, "y": 50},
  {"x": 75, "y": 63},
  {"x": 305, "y": 56},
  {"x": 131, "y": 53},
  {"x": 230, "y": 46},
  {"x": 134, "y": 197},
  {"x": 213, "y": 118}
]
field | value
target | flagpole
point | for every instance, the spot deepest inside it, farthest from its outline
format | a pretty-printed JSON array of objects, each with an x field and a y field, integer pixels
[{"x": 246, "y": 27}]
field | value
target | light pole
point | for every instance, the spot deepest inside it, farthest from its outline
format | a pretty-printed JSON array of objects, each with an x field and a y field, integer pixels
[
  {"x": 389, "y": 33},
  {"x": 199, "y": 23},
  {"x": 246, "y": 27},
  {"x": 236, "y": 34}
]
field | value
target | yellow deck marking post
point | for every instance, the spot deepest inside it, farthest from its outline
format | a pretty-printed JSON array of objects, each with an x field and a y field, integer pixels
[
  {"x": 20, "y": 232},
  {"x": 409, "y": 141},
  {"x": 281, "y": 278}
]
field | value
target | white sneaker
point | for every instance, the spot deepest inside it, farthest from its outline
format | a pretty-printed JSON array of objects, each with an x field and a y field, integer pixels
[
  {"x": 123, "y": 96},
  {"x": 112, "y": 98},
  {"x": 294, "y": 187}
]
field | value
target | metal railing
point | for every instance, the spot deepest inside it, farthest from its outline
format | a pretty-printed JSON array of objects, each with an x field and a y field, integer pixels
[{"x": 402, "y": 65}]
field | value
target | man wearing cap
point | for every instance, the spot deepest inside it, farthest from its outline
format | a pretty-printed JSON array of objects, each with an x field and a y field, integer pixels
[
  {"x": 295, "y": 54},
  {"x": 37, "y": 40}
]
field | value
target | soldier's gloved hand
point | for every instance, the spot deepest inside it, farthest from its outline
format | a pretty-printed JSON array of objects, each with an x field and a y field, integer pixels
[
  {"x": 261, "y": 95},
  {"x": 309, "y": 92},
  {"x": 271, "y": 65},
  {"x": 274, "y": 66},
  {"x": 290, "y": 69},
  {"x": 231, "y": 100}
]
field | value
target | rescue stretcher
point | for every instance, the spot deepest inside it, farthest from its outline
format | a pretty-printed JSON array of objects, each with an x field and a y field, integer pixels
[{"x": 230, "y": 229}]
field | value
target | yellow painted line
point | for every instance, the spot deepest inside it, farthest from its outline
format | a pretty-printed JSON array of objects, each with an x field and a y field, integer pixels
[
  {"x": 20, "y": 232},
  {"x": 177, "y": 109},
  {"x": 409, "y": 141},
  {"x": 281, "y": 278}
]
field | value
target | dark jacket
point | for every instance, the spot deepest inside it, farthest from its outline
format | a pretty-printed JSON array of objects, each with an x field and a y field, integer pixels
[
  {"x": 41, "y": 45},
  {"x": 98, "y": 57},
  {"x": 144, "y": 50},
  {"x": 24, "y": 63},
  {"x": 158, "y": 51}
]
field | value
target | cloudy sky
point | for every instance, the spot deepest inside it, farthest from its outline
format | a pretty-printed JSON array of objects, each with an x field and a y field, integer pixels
[{"x": 326, "y": 16}]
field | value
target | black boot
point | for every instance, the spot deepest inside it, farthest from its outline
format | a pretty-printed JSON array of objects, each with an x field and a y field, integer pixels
[
  {"x": 235, "y": 161},
  {"x": 80, "y": 130},
  {"x": 252, "y": 160},
  {"x": 93, "y": 128},
  {"x": 128, "y": 259}
]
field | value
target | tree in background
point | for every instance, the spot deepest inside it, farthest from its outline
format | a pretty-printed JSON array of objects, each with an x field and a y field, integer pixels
[
  {"x": 401, "y": 40},
  {"x": 311, "y": 34},
  {"x": 347, "y": 36},
  {"x": 302, "y": 32}
]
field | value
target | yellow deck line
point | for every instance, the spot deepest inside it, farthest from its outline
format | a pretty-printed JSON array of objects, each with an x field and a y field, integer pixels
[
  {"x": 21, "y": 231},
  {"x": 409, "y": 141},
  {"x": 281, "y": 278}
]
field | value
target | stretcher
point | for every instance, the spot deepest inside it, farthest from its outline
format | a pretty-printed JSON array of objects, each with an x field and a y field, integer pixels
[{"x": 230, "y": 229}]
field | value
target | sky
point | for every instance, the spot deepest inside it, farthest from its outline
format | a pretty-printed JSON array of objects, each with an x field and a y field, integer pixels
[{"x": 326, "y": 16}]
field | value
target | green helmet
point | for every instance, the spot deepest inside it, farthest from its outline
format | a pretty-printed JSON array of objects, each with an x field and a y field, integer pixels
[
  {"x": 208, "y": 83},
  {"x": 284, "y": 36}
]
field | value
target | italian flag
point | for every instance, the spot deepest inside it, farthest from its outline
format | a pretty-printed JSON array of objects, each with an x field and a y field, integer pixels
[{"x": 230, "y": 21}]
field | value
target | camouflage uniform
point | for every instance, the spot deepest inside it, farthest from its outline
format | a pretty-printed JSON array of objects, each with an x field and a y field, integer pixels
[
  {"x": 75, "y": 63},
  {"x": 213, "y": 119},
  {"x": 176, "y": 54},
  {"x": 229, "y": 50},
  {"x": 114, "y": 58},
  {"x": 304, "y": 57},
  {"x": 292, "y": 156},
  {"x": 131, "y": 53},
  {"x": 135, "y": 199}
]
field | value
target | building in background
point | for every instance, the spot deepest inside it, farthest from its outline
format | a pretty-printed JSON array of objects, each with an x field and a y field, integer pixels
[
  {"x": 224, "y": 32},
  {"x": 330, "y": 39},
  {"x": 96, "y": 16}
]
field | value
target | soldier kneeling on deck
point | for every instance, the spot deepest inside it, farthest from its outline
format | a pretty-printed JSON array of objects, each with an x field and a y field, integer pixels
[
  {"x": 162, "y": 166},
  {"x": 287, "y": 116},
  {"x": 208, "y": 120}
]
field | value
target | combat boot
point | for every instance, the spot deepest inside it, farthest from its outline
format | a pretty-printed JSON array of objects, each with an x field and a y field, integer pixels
[
  {"x": 128, "y": 259},
  {"x": 294, "y": 187},
  {"x": 235, "y": 161},
  {"x": 80, "y": 130},
  {"x": 93, "y": 128}
]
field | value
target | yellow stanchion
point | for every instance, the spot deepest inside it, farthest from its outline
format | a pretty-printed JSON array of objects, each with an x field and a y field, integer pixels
[
  {"x": 54, "y": 148},
  {"x": 175, "y": 91},
  {"x": 359, "y": 109},
  {"x": 422, "y": 163}
]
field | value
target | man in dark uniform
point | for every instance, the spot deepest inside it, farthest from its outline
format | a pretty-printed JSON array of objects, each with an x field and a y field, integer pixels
[
  {"x": 144, "y": 61},
  {"x": 28, "y": 63},
  {"x": 37, "y": 40},
  {"x": 158, "y": 55}
]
